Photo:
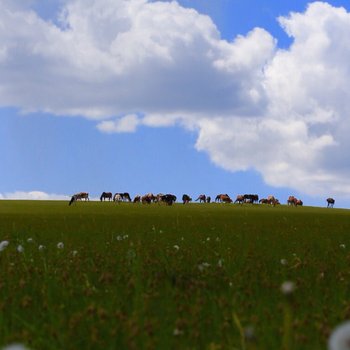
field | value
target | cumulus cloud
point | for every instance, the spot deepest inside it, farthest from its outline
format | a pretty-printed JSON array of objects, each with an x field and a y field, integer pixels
[
  {"x": 33, "y": 195},
  {"x": 127, "y": 123},
  {"x": 128, "y": 63}
]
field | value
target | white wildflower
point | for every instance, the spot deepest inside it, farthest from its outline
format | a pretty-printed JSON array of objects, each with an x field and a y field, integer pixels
[
  {"x": 60, "y": 245},
  {"x": 176, "y": 247},
  {"x": 203, "y": 266},
  {"x": 208, "y": 239},
  {"x": 177, "y": 332},
  {"x": 125, "y": 236},
  {"x": 20, "y": 249},
  {"x": 15, "y": 347},
  {"x": 220, "y": 262},
  {"x": 340, "y": 337},
  {"x": 74, "y": 253},
  {"x": 342, "y": 246},
  {"x": 3, "y": 245},
  {"x": 249, "y": 333},
  {"x": 30, "y": 240},
  {"x": 41, "y": 247},
  {"x": 284, "y": 262},
  {"x": 119, "y": 238},
  {"x": 160, "y": 231},
  {"x": 288, "y": 287}
]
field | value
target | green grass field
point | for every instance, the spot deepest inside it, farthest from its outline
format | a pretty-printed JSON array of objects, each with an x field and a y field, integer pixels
[{"x": 181, "y": 277}]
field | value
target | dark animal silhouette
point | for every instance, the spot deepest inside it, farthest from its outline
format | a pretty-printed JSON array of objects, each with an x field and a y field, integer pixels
[
  {"x": 239, "y": 199},
  {"x": 330, "y": 202},
  {"x": 219, "y": 197},
  {"x": 168, "y": 199},
  {"x": 291, "y": 200},
  {"x": 294, "y": 201},
  {"x": 105, "y": 195},
  {"x": 79, "y": 196},
  {"x": 201, "y": 198},
  {"x": 251, "y": 198},
  {"x": 146, "y": 199},
  {"x": 137, "y": 199},
  {"x": 223, "y": 198},
  {"x": 272, "y": 200},
  {"x": 186, "y": 199},
  {"x": 208, "y": 199}
]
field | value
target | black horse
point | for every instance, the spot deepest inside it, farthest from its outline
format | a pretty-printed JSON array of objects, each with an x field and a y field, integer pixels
[
  {"x": 186, "y": 198},
  {"x": 168, "y": 199},
  {"x": 79, "y": 196},
  {"x": 105, "y": 195},
  {"x": 330, "y": 202}
]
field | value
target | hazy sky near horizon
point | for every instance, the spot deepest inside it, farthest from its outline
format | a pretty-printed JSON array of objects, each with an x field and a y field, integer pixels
[{"x": 191, "y": 96}]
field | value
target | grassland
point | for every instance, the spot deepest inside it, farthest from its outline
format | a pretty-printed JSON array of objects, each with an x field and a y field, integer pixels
[{"x": 181, "y": 277}]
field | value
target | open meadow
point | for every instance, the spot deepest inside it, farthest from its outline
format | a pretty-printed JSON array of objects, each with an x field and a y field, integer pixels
[{"x": 198, "y": 276}]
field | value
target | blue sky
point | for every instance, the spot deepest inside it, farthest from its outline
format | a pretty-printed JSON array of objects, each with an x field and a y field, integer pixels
[{"x": 212, "y": 107}]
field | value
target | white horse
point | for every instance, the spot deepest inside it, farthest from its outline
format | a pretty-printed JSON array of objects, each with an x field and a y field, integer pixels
[{"x": 117, "y": 198}]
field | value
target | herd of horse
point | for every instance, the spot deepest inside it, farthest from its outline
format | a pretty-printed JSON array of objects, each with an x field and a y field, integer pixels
[{"x": 169, "y": 199}]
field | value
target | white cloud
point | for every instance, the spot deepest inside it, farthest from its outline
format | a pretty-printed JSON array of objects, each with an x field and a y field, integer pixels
[
  {"x": 127, "y": 123},
  {"x": 33, "y": 195},
  {"x": 283, "y": 113}
]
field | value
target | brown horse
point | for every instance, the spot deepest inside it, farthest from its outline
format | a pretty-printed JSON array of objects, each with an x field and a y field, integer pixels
[
  {"x": 201, "y": 198},
  {"x": 272, "y": 200},
  {"x": 239, "y": 199},
  {"x": 223, "y": 198}
]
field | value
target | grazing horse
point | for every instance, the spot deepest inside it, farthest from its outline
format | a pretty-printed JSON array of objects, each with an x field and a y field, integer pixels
[
  {"x": 146, "y": 199},
  {"x": 201, "y": 198},
  {"x": 219, "y": 197},
  {"x": 117, "y": 198},
  {"x": 291, "y": 200},
  {"x": 105, "y": 195},
  {"x": 208, "y": 199},
  {"x": 137, "y": 199},
  {"x": 168, "y": 199},
  {"x": 186, "y": 199},
  {"x": 272, "y": 200},
  {"x": 125, "y": 196},
  {"x": 224, "y": 198},
  {"x": 79, "y": 196},
  {"x": 299, "y": 202},
  {"x": 251, "y": 198},
  {"x": 263, "y": 201},
  {"x": 330, "y": 202},
  {"x": 294, "y": 201},
  {"x": 72, "y": 200},
  {"x": 239, "y": 199}
]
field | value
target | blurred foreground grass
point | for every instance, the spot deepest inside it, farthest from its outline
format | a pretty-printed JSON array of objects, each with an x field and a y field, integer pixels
[{"x": 181, "y": 277}]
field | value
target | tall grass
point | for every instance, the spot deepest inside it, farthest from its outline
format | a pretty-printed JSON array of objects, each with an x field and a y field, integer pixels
[{"x": 181, "y": 277}]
